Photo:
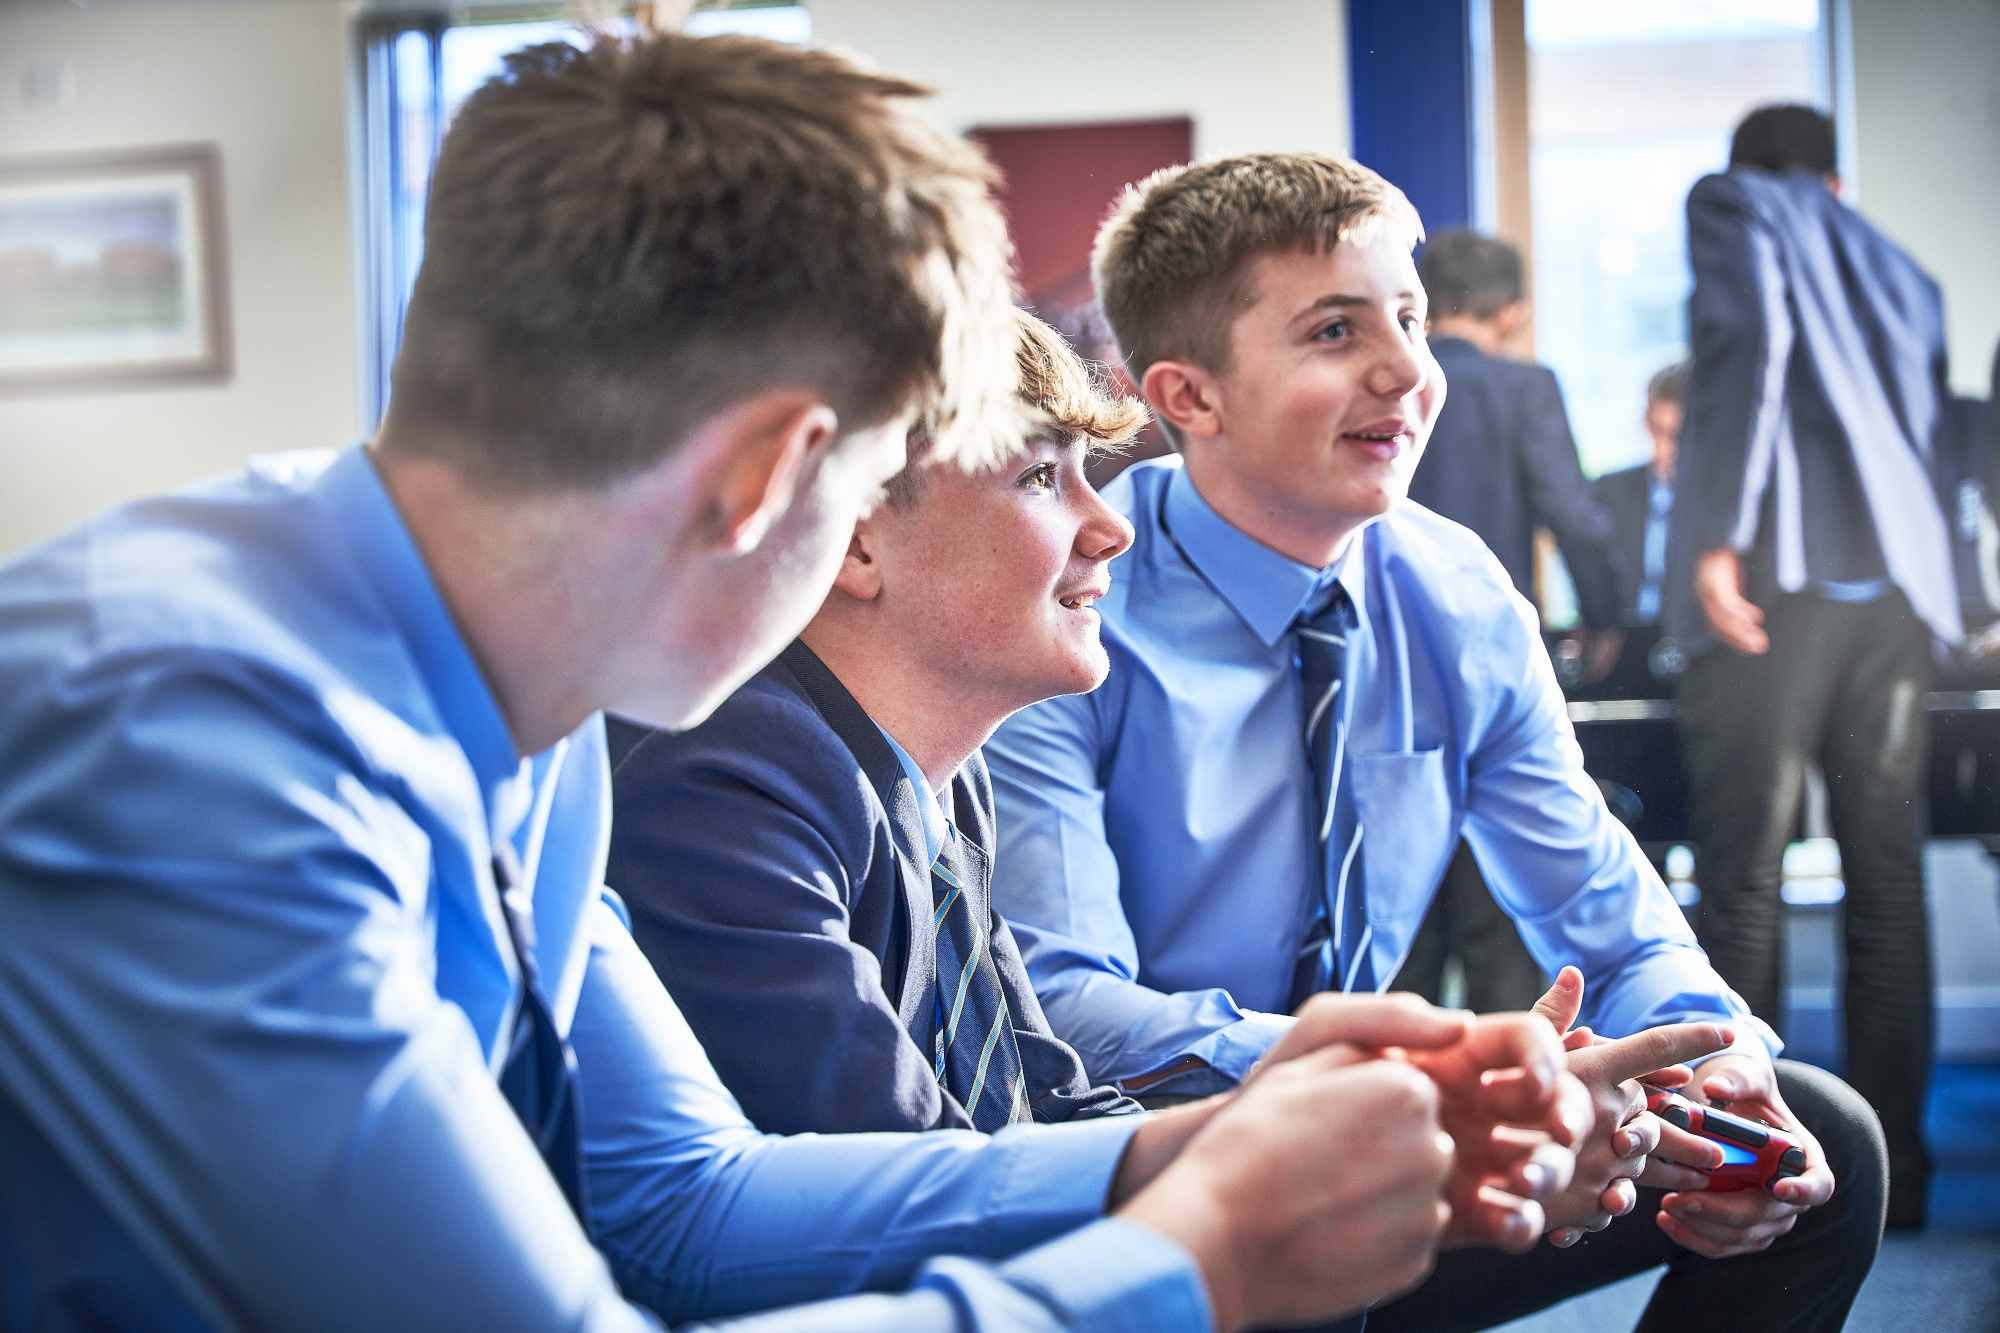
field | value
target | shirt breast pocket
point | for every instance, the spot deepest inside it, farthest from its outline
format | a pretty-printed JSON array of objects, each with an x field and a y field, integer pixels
[{"x": 1409, "y": 829}]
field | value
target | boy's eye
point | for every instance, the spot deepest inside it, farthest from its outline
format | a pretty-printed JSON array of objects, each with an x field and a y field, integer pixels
[
  {"x": 1335, "y": 331},
  {"x": 1042, "y": 474},
  {"x": 1411, "y": 324}
]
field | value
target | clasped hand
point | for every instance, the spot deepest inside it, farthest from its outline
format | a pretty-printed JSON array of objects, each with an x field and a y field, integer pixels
[{"x": 1512, "y": 1112}]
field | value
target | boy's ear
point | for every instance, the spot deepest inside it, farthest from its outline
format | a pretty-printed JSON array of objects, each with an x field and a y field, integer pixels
[
  {"x": 1186, "y": 395},
  {"x": 860, "y": 575},
  {"x": 761, "y": 448}
]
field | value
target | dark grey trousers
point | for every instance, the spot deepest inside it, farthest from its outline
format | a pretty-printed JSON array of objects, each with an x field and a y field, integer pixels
[{"x": 1842, "y": 685}]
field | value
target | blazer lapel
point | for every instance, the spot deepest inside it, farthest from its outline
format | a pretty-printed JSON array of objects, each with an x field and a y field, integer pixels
[{"x": 884, "y": 771}]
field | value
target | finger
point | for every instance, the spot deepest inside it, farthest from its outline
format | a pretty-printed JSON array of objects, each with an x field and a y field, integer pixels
[
  {"x": 1499, "y": 1219},
  {"x": 1685, "y": 1236},
  {"x": 1563, "y": 1000},
  {"x": 1564, "y": 1237},
  {"x": 1685, "y": 1149},
  {"x": 1577, "y": 1038},
  {"x": 1371, "y": 1020},
  {"x": 1808, "y": 1190},
  {"x": 1638, "y": 1137},
  {"x": 1673, "y": 1076},
  {"x": 1533, "y": 1168},
  {"x": 1709, "y": 1215},
  {"x": 1644, "y": 1052},
  {"x": 1513, "y": 1097},
  {"x": 1515, "y": 1041},
  {"x": 1664, "y": 1175},
  {"x": 1619, "y": 1198}
]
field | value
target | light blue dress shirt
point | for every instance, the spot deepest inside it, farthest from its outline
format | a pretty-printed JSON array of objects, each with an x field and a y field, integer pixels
[
  {"x": 937, "y": 825},
  {"x": 1156, "y": 857},
  {"x": 255, "y": 989}
]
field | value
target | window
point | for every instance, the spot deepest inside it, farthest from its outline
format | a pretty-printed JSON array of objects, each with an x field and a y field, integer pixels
[
  {"x": 417, "y": 71},
  {"x": 1630, "y": 102}
]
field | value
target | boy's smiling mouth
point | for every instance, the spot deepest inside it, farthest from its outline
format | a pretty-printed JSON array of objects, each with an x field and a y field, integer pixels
[
  {"x": 1385, "y": 440},
  {"x": 1083, "y": 599}
]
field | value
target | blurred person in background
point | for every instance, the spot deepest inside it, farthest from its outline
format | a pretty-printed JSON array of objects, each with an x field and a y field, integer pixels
[
  {"x": 1501, "y": 461},
  {"x": 1640, "y": 500},
  {"x": 1809, "y": 579}
]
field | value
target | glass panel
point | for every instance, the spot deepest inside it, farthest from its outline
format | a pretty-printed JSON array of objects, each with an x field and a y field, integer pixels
[{"x": 1630, "y": 102}]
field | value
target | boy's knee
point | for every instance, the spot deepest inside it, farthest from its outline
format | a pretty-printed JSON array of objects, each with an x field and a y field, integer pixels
[{"x": 1851, "y": 1136}]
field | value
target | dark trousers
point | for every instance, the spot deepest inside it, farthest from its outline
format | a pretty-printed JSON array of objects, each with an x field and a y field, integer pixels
[
  {"x": 1465, "y": 922},
  {"x": 1805, "y": 1281},
  {"x": 1843, "y": 685}
]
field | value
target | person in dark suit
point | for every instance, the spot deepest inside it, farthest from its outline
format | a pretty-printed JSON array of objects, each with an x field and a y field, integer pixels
[
  {"x": 1502, "y": 462},
  {"x": 1809, "y": 580},
  {"x": 1501, "y": 459},
  {"x": 1640, "y": 501}
]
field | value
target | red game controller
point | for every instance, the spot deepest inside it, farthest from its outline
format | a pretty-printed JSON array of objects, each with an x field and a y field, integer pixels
[{"x": 1754, "y": 1155}]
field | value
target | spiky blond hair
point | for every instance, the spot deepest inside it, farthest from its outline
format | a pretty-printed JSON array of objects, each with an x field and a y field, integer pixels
[{"x": 1058, "y": 394}]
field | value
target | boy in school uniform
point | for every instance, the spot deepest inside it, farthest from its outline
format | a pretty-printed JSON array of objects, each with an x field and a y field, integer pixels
[
  {"x": 1316, "y": 689},
  {"x": 808, "y": 870}
]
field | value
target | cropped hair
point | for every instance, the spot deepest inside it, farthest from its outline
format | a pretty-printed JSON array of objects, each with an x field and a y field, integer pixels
[
  {"x": 1669, "y": 385},
  {"x": 1170, "y": 262},
  {"x": 1058, "y": 391},
  {"x": 1790, "y": 137},
  {"x": 625, "y": 240},
  {"x": 1465, "y": 273}
]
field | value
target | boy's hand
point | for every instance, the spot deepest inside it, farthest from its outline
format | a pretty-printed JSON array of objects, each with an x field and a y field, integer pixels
[
  {"x": 1618, "y": 1154},
  {"x": 1516, "y": 1115},
  {"x": 1511, "y": 1109},
  {"x": 1743, "y": 1221},
  {"x": 1314, "y": 1192}
]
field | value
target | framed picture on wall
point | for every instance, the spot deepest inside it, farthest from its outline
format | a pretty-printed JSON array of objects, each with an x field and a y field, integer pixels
[{"x": 112, "y": 268}]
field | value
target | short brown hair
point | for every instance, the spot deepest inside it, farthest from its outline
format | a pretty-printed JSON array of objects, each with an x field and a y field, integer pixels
[
  {"x": 1669, "y": 385},
  {"x": 1169, "y": 261},
  {"x": 622, "y": 241},
  {"x": 1465, "y": 273},
  {"x": 1063, "y": 396}
]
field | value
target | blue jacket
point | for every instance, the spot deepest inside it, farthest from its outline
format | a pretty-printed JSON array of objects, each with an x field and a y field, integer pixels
[
  {"x": 766, "y": 857},
  {"x": 1813, "y": 404},
  {"x": 1501, "y": 461}
]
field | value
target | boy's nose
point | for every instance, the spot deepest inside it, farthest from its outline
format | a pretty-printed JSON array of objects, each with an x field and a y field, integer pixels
[{"x": 1105, "y": 533}]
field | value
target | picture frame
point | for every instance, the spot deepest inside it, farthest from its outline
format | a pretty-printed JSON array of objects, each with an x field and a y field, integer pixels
[{"x": 113, "y": 269}]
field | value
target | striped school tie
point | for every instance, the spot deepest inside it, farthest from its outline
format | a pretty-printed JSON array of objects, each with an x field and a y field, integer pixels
[
  {"x": 977, "y": 1060},
  {"x": 1333, "y": 954},
  {"x": 539, "y": 1078}
]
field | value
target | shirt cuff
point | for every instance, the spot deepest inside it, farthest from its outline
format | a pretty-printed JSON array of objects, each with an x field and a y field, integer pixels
[
  {"x": 1754, "y": 1038},
  {"x": 1058, "y": 1177},
  {"x": 1231, "y": 1051},
  {"x": 1113, "y": 1277}
]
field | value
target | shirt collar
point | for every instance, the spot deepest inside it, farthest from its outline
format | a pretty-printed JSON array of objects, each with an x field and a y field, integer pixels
[
  {"x": 1265, "y": 588},
  {"x": 937, "y": 827},
  {"x": 381, "y": 545}
]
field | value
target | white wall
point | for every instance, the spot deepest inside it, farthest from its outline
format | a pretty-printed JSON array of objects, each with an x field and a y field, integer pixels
[
  {"x": 1927, "y": 99},
  {"x": 268, "y": 82},
  {"x": 1254, "y": 75}
]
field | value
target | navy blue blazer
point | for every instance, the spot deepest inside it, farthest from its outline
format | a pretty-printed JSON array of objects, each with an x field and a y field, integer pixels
[
  {"x": 772, "y": 860},
  {"x": 1814, "y": 403},
  {"x": 1627, "y": 497},
  {"x": 1502, "y": 461}
]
